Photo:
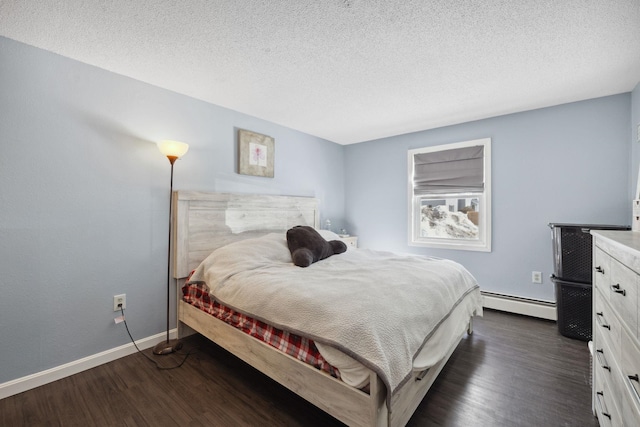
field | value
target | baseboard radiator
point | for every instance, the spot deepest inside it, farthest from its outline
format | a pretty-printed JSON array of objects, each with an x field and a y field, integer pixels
[{"x": 520, "y": 305}]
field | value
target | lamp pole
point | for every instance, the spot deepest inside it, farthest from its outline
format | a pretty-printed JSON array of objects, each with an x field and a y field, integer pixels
[
  {"x": 173, "y": 150},
  {"x": 172, "y": 160}
]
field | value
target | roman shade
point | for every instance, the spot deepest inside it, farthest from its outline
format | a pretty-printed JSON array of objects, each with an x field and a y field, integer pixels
[{"x": 459, "y": 170}]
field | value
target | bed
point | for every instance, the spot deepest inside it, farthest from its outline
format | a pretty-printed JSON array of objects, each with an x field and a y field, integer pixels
[{"x": 208, "y": 222}]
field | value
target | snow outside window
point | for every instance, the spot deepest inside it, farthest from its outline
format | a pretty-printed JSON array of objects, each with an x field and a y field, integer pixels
[{"x": 450, "y": 196}]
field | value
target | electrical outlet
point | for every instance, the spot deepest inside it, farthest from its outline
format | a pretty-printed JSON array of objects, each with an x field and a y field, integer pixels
[
  {"x": 119, "y": 299},
  {"x": 536, "y": 277}
]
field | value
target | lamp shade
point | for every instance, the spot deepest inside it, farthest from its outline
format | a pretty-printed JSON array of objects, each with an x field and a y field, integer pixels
[{"x": 175, "y": 149}]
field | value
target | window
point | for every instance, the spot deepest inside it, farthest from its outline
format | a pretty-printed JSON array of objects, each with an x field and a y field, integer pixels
[{"x": 450, "y": 196}]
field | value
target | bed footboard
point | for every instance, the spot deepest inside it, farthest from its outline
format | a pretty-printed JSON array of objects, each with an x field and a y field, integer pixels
[{"x": 349, "y": 405}]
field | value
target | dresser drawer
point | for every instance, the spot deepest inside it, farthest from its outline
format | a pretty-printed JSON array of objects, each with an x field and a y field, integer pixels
[
  {"x": 605, "y": 406},
  {"x": 606, "y": 324},
  {"x": 604, "y": 361},
  {"x": 351, "y": 241},
  {"x": 630, "y": 367},
  {"x": 624, "y": 294},
  {"x": 601, "y": 271}
]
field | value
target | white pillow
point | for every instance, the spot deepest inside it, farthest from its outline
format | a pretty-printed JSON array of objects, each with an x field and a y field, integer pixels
[{"x": 328, "y": 235}]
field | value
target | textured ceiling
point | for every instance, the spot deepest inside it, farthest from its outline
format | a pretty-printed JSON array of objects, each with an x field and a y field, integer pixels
[{"x": 350, "y": 70}]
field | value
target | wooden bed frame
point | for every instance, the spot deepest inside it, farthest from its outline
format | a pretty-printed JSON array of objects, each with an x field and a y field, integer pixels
[{"x": 206, "y": 221}]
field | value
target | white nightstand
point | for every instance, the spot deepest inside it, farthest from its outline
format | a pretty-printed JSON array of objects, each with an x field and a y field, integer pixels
[{"x": 351, "y": 241}]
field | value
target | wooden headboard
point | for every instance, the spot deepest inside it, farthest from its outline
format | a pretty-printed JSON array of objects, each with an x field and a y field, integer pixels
[{"x": 203, "y": 222}]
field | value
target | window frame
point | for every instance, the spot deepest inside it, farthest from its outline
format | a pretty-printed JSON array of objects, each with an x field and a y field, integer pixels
[{"x": 483, "y": 243}]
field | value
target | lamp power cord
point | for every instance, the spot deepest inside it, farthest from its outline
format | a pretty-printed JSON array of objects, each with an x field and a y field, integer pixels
[{"x": 186, "y": 355}]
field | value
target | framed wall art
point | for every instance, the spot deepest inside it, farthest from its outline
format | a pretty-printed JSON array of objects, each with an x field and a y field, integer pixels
[{"x": 256, "y": 153}]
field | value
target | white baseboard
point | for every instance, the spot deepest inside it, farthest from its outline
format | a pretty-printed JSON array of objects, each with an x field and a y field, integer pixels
[
  {"x": 29, "y": 382},
  {"x": 527, "y": 307}
]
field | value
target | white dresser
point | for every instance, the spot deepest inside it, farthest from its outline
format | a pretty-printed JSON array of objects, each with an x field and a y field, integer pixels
[{"x": 616, "y": 333}]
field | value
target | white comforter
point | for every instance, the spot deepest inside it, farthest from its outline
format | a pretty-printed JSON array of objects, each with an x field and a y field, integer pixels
[{"x": 377, "y": 307}]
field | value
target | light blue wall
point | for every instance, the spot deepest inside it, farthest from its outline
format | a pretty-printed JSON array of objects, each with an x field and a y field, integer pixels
[
  {"x": 568, "y": 163},
  {"x": 84, "y": 199}
]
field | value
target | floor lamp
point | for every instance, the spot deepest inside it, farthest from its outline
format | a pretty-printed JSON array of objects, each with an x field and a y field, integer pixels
[{"x": 173, "y": 150}]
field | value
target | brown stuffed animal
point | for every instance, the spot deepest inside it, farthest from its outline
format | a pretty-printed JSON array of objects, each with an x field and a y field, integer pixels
[{"x": 308, "y": 246}]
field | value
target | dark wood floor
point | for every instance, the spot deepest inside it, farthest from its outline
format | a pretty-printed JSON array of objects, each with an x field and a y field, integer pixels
[{"x": 513, "y": 371}]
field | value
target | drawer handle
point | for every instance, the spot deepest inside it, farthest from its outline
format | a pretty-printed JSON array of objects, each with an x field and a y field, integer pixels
[
  {"x": 600, "y": 322},
  {"x": 600, "y": 269},
  {"x": 617, "y": 290},
  {"x": 602, "y": 360},
  {"x": 635, "y": 391},
  {"x": 600, "y": 395}
]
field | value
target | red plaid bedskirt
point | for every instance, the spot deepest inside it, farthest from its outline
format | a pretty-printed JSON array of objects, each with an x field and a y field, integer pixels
[{"x": 301, "y": 348}]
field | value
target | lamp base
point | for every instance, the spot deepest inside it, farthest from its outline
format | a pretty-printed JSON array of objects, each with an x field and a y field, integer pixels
[{"x": 167, "y": 347}]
